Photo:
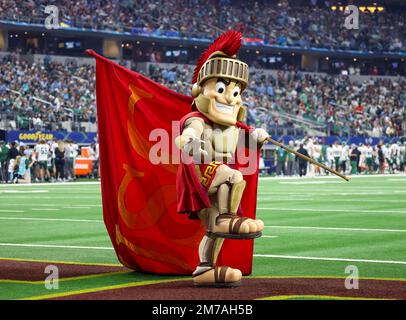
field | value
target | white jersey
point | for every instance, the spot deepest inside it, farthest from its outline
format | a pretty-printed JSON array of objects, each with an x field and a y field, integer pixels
[
  {"x": 309, "y": 148},
  {"x": 74, "y": 150},
  {"x": 344, "y": 154},
  {"x": 386, "y": 152},
  {"x": 329, "y": 153},
  {"x": 368, "y": 152},
  {"x": 395, "y": 151},
  {"x": 54, "y": 145},
  {"x": 42, "y": 151},
  {"x": 316, "y": 151},
  {"x": 337, "y": 151}
]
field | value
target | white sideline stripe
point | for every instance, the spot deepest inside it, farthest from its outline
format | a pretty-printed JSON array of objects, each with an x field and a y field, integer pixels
[
  {"x": 49, "y": 219},
  {"x": 53, "y": 246},
  {"x": 316, "y": 193},
  {"x": 51, "y": 205},
  {"x": 1, "y": 210},
  {"x": 78, "y": 207},
  {"x": 44, "y": 209},
  {"x": 331, "y": 210},
  {"x": 330, "y": 200},
  {"x": 24, "y": 191},
  {"x": 50, "y": 184},
  {"x": 328, "y": 193},
  {"x": 336, "y": 228},
  {"x": 328, "y": 259},
  {"x": 309, "y": 182},
  {"x": 269, "y": 236}
]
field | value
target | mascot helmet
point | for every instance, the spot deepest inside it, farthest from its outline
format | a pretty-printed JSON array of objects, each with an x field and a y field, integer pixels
[{"x": 220, "y": 61}]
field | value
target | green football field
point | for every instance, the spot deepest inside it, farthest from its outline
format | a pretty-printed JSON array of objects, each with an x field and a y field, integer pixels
[{"x": 315, "y": 227}]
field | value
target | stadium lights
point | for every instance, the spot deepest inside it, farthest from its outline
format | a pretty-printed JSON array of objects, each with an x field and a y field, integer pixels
[
  {"x": 327, "y": 58},
  {"x": 372, "y": 9}
]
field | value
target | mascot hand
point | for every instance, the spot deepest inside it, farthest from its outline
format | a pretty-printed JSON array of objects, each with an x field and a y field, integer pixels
[
  {"x": 259, "y": 135},
  {"x": 193, "y": 146}
]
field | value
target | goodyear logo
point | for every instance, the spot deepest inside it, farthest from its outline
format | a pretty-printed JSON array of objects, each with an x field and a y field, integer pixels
[{"x": 35, "y": 136}]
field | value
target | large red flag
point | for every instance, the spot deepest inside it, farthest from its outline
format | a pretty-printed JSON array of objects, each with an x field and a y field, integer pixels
[{"x": 139, "y": 194}]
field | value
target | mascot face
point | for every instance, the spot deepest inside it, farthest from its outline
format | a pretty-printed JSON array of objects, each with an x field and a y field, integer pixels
[{"x": 220, "y": 100}]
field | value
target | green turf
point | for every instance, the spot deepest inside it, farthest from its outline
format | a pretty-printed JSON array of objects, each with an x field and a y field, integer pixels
[{"x": 366, "y": 204}]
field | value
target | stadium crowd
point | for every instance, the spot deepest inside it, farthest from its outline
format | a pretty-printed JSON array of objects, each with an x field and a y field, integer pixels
[
  {"x": 278, "y": 23},
  {"x": 49, "y": 95},
  {"x": 374, "y": 108},
  {"x": 45, "y": 95},
  {"x": 347, "y": 159},
  {"x": 47, "y": 161}
]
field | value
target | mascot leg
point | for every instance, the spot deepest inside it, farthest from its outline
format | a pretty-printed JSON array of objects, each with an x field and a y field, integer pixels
[
  {"x": 229, "y": 186},
  {"x": 207, "y": 273}
]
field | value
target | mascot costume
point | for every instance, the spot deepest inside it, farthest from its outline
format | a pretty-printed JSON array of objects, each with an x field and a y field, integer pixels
[{"x": 162, "y": 153}]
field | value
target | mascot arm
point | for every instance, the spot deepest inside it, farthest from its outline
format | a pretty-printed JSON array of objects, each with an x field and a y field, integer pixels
[{"x": 190, "y": 139}]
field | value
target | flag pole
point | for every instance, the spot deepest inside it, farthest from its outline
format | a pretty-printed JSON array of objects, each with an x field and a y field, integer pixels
[{"x": 300, "y": 155}]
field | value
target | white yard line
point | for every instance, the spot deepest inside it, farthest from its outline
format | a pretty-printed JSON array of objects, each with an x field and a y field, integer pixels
[
  {"x": 44, "y": 209},
  {"x": 333, "y": 200},
  {"x": 328, "y": 259},
  {"x": 49, "y": 205},
  {"x": 16, "y": 197},
  {"x": 334, "y": 177},
  {"x": 53, "y": 246},
  {"x": 49, "y": 219},
  {"x": 1, "y": 210},
  {"x": 269, "y": 236},
  {"x": 353, "y": 193},
  {"x": 336, "y": 229},
  {"x": 66, "y": 184},
  {"x": 331, "y": 210}
]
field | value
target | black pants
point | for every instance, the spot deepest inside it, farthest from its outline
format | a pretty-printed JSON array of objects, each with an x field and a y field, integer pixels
[
  {"x": 4, "y": 171},
  {"x": 60, "y": 169},
  {"x": 302, "y": 168}
]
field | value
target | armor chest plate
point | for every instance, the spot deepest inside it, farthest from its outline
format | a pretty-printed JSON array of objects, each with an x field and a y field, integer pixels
[{"x": 221, "y": 142}]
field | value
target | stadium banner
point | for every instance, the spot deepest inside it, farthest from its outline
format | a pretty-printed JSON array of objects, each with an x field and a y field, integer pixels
[
  {"x": 34, "y": 136},
  {"x": 139, "y": 197}
]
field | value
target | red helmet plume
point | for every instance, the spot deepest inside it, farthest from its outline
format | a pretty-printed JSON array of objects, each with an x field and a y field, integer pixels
[{"x": 229, "y": 43}]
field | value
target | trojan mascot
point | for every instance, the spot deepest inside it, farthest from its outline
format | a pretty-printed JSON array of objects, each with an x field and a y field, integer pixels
[
  {"x": 210, "y": 186},
  {"x": 180, "y": 154}
]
